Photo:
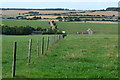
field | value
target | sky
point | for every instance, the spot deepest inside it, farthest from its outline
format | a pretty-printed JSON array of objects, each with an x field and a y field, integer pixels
[{"x": 69, "y": 4}]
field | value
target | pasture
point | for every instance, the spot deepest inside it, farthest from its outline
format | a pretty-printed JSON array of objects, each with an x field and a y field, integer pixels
[
  {"x": 76, "y": 56},
  {"x": 0, "y": 56},
  {"x": 69, "y": 27}
]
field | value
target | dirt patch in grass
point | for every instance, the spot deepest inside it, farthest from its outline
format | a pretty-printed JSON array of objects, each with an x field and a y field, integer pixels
[
  {"x": 70, "y": 56},
  {"x": 110, "y": 46},
  {"x": 110, "y": 55}
]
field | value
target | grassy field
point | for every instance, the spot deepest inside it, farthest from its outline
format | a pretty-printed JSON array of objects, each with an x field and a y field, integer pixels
[
  {"x": 69, "y": 27},
  {"x": 0, "y": 57},
  {"x": 76, "y": 56}
]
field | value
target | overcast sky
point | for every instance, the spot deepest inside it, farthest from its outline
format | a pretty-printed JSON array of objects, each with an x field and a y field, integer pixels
[
  {"x": 70, "y": 4},
  {"x": 59, "y": 0}
]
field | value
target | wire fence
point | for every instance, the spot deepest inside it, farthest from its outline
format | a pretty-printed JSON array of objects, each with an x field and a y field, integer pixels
[{"x": 27, "y": 50}]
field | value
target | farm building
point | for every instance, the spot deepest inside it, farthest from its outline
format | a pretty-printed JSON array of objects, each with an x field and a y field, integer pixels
[{"x": 90, "y": 31}]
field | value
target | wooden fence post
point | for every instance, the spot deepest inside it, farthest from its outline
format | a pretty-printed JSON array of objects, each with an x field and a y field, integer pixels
[
  {"x": 14, "y": 58},
  {"x": 29, "y": 50},
  {"x": 51, "y": 41},
  {"x": 54, "y": 39},
  {"x": 59, "y": 37},
  {"x": 62, "y": 36},
  {"x": 37, "y": 47},
  {"x": 42, "y": 46},
  {"x": 47, "y": 45}
]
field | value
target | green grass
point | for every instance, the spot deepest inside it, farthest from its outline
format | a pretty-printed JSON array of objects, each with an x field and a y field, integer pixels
[
  {"x": 69, "y": 27},
  {"x": 33, "y": 23},
  {"x": 76, "y": 56},
  {"x": 0, "y": 57}
]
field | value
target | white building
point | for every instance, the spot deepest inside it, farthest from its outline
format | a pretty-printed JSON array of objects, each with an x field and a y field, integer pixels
[{"x": 90, "y": 31}]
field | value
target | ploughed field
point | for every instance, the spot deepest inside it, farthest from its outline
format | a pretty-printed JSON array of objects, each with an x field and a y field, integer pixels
[{"x": 75, "y": 56}]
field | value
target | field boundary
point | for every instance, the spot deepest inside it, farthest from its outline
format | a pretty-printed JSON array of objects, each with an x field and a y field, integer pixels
[{"x": 44, "y": 48}]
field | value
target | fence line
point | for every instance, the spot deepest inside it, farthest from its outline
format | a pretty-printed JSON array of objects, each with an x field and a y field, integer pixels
[
  {"x": 42, "y": 46},
  {"x": 47, "y": 45},
  {"x": 37, "y": 47},
  {"x": 14, "y": 58},
  {"x": 29, "y": 50},
  {"x": 50, "y": 40}
]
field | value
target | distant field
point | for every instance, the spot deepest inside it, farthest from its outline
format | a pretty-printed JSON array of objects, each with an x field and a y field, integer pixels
[
  {"x": 107, "y": 13},
  {"x": 69, "y": 27},
  {"x": 16, "y": 12},
  {"x": 76, "y": 56}
]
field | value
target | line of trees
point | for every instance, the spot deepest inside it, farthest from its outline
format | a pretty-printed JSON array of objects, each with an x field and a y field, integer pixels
[
  {"x": 7, "y": 30},
  {"x": 86, "y": 19},
  {"x": 107, "y": 9},
  {"x": 113, "y": 9},
  {"x": 32, "y": 9},
  {"x": 26, "y": 30}
]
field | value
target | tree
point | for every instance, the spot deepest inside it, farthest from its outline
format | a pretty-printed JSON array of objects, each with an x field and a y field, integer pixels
[{"x": 59, "y": 18}]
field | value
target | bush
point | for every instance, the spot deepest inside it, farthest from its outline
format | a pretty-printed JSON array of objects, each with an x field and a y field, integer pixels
[
  {"x": 16, "y": 30},
  {"x": 26, "y": 30}
]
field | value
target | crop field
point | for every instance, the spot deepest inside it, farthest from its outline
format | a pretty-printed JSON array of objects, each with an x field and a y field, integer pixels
[
  {"x": 75, "y": 56},
  {"x": 107, "y": 13},
  {"x": 69, "y": 27},
  {"x": 16, "y": 12}
]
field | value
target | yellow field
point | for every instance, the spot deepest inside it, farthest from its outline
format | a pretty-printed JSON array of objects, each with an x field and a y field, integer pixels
[
  {"x": 107, "y": 13},
  {"x": 8, "y": 12}
]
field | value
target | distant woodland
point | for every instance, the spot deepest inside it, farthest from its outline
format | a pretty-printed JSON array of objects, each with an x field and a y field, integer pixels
[{"x": 107, "y": 9}]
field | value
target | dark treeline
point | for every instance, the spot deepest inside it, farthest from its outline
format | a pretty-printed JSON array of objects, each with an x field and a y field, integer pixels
[
  {"x": 107, "y": 9},
  {"x": 26, "y": 30},
  {"x": 90, "y": 18},
  {"x": 32, "y": 9},
  {"x": 7, "y": 30},
  {"x": 113, "y": 9}
]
